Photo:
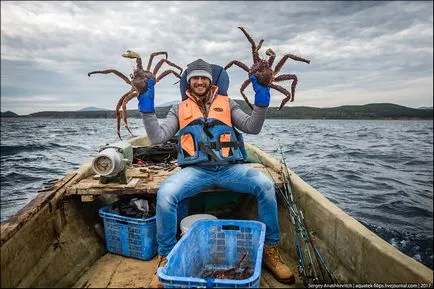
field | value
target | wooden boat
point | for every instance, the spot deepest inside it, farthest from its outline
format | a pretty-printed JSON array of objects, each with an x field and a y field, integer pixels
[{"x": 57, "y": 241}]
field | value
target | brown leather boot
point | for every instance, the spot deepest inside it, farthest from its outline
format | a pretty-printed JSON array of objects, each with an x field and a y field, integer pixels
[
  {"x": 273, "y": 262},
  {"x": 155, "y": 283}
]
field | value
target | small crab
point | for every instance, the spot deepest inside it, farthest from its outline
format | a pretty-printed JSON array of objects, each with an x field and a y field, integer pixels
[
  {"x": 265, "y": 74},
  {"x": 139, "y": 82}
]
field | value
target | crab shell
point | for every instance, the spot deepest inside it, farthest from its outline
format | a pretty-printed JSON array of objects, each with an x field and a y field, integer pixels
[
  {"x": 263, "y": 73},
  {"x": 140, "y": 79}
]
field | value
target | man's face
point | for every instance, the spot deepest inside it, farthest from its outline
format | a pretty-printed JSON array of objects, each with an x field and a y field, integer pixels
[{"x": 200, "y": 85}]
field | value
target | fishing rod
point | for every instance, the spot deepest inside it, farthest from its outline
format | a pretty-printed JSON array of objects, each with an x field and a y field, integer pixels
[
  {"x": 318, "y": 256},
  {"x": 299, "y": 228},
  {"x": 296, "y": 219},
  {"x": 298, "y": 214},
  {"x": 297, "y": 231},
  {"x": 319, "y": 260}
]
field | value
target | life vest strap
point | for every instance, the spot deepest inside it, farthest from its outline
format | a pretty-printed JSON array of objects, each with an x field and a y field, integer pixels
[
  {"x": 217, "y": 145},
  {"x": 206, "y": 125},
  {"x": 205, "y": 147},
  {"x": 206, "y": 128}
]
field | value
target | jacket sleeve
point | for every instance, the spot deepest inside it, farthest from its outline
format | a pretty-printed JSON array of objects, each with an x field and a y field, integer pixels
[
  {"x": 248, "y": 123},
  {"x": 161, "y": 133}
]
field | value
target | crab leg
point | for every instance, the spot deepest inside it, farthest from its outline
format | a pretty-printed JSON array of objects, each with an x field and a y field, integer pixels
[
  {"x": 139, "y": 63},
  {"x": 239, "y": 64},
  {"x": 120, "y": 74},
  {"x": 284, "y": 58},
  {"x": 272, "y": 55},
  {"x": 127, "y": 98},
  {"x": 252, "y": 42},
  {"x": 243, "y": 87},
  {"x": 255, "y": 51},
  {"x": 160, "y": 63},
  {"x": 284, "y": 91},
  {"x": 248, "y": 36},
  {"x": 118, "y": 112},
  {"x": 167, "y": 72},
  {"x": 292, "y": 77},
  {"x": 152, "y": 57}
]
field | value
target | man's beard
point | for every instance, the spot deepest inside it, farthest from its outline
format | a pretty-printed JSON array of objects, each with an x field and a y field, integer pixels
[{"x": 202, "y": 95}]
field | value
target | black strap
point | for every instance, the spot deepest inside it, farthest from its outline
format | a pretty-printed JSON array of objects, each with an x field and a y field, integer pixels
[
  {"x": 206, "y": 128},
  {"x": 217, "y": 145},
  {"x": 235, "y": 144},
  {"x": 237, "y": 133},
  {"x": 207, "y": 149},
  {"x": 215, "y": 122}
]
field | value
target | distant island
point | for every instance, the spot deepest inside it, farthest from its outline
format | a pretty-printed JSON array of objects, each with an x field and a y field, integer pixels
[
  {"x": 367, "y": 111},
  {"x": 92, "y": 108},
  {"x": 9, "y": 114}
]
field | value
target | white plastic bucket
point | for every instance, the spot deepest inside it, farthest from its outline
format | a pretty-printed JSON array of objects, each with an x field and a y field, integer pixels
[{"x": 187, "y": 222}]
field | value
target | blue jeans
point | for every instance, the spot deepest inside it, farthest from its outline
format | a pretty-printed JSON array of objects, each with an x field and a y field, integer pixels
[{"x": 191, "y": 180}]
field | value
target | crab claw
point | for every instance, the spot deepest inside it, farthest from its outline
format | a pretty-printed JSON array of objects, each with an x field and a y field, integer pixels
[
  {"x": 270, "y": 52},
  {"x": 259, "y": 45},
  {"x": 132, "y": 94},
  {"x": 131, "y": 54},
  {"x": 118, "y": 123},
  {"x": 128, "y": 129}
]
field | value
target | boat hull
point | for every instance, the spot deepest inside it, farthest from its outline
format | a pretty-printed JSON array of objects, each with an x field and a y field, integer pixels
[{"x": 56, "y": 240}]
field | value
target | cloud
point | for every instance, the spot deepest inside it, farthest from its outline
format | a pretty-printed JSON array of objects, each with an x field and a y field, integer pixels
[{"x": 364, "y": 47}]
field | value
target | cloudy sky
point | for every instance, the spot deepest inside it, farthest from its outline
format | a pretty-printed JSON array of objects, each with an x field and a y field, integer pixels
[{"x": 361, "y": 52}]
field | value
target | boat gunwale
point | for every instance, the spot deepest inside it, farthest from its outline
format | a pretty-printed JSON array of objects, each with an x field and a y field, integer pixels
[{"x": 15, "y": 222}]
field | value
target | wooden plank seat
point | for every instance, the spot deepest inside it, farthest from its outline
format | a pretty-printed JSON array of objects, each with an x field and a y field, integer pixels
[{"x": 142, "y": 180}]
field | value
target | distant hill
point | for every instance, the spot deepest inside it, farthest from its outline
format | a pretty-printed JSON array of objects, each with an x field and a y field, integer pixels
[
  {"x": 368, "y": 111},
  {"x": 92, "y": 108},
  {"x": 425, "y": 107},
  {"x": 9, "y": 114}
]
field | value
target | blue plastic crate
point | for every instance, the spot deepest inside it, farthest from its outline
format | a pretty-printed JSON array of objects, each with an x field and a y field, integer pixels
[
  {"x": 215, "y": 244},
  {"x": 130, "y": 237}
]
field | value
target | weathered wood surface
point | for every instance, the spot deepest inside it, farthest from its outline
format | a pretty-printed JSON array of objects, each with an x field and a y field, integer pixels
[
  {"x": 52, "y": 248},
  {"x": 268, "y": 280},
  {"x": 143, "y": 181},
  {"x": 114, "y": 271}
]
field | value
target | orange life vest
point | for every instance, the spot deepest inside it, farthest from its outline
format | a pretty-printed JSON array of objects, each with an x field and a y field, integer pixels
[{"x": 208, "y": 139}]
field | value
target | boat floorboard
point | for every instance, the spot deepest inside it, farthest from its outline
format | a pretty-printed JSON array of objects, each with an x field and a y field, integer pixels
[
  {"x": 114, "y": 271},
  {"x": 143, "y": 180}
]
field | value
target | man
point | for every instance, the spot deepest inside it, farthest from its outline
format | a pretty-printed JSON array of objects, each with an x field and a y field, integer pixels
[{"x": 210, "y": 152}]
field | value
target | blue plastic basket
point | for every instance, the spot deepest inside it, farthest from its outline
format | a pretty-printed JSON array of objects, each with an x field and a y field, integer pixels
[
  {"x": 215, "y": 244},
  {"x": 130, "y": 237}
]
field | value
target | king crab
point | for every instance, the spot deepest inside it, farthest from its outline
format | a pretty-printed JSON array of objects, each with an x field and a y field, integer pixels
[
  {"x": 265, "y": 74},
  {"x": 139, "y": 82}
]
